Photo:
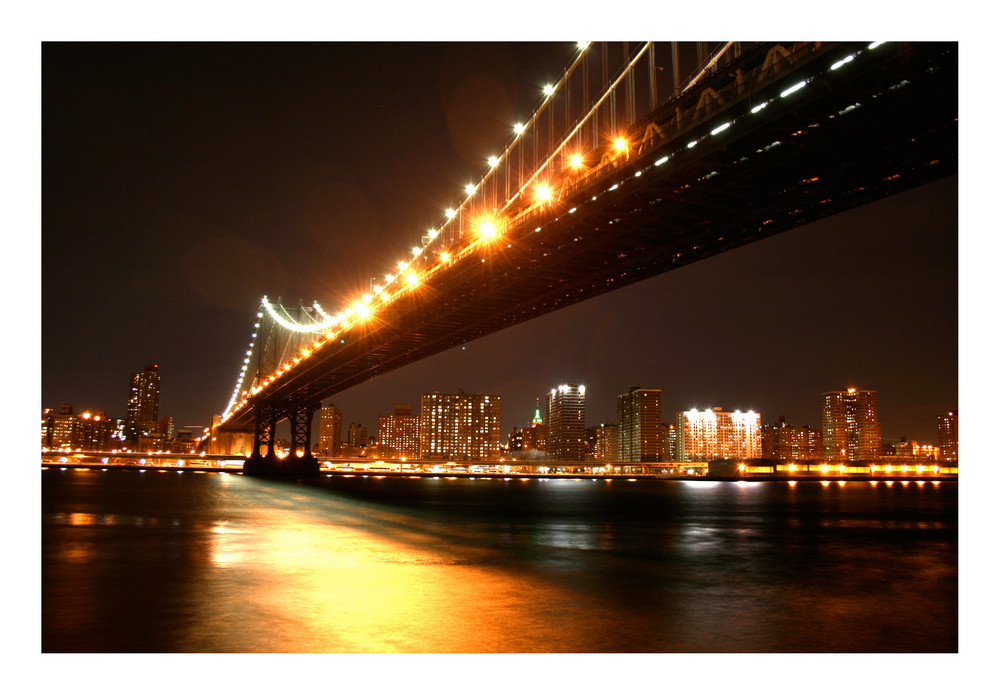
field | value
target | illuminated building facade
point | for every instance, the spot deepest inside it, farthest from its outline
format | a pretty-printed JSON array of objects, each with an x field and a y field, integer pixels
[
  {"x": 48, "y": 426},
  {"x": 782, "y": 441},
  {"x": 61, "y": 427},
  {"x": 915, "y": 450},
  {"x": 948, "y": 436},
  {"x": 95, "y": 432},
  {"x": 87, "y": 431},
  {"x": 166, "y": 427},
  {"x": 331, "y": 430},
  {"x": 143, "y": 407},
  {"x": 604, "y": 442},
  {"x": 515, "y": 440},
  {"x": 670, "y": 442},
  {"x": 640, "y": 425},
  {"x": 704, "y": 435},
  {"x": 567, "y": 428},
  {"x": 851, "y": 428},
  {"x": 399, "y": 433},
  {"x": 535, "y": 436},
  {"x": 460, "y": 426}
]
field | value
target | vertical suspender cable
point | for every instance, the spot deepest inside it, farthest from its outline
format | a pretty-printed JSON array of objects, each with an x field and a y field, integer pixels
[
  {"x": 675, "y": 64},
  {"x": 652, "y": 77}
]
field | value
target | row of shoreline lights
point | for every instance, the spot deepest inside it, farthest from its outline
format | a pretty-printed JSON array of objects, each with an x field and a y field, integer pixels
[{"x": 489, "y": 228}]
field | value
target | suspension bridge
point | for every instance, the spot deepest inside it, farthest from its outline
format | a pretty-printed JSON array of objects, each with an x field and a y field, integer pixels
[{"x": 612, "y": 180}]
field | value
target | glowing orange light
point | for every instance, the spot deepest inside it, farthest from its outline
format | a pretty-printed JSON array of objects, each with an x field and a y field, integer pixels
[
  {"x": 576, "y": 160},
  {"x": 412, "y": 279},
  {"x": 487, "y": 229},
  {"x": 362, "y": 310},
  {"x": 621, "y": 144},
  {"x": 543, "y": 193}
]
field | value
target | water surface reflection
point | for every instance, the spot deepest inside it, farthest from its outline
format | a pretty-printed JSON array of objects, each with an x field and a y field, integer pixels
[{"x": 226, "y": 563}]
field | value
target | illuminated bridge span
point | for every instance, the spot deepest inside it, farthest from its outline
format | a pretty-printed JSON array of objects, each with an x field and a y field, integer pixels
[{"x": 607, "y": 185}]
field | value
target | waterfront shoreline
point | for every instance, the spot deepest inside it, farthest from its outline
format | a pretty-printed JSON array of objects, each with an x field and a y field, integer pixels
[{"x": 752, "y": 478}]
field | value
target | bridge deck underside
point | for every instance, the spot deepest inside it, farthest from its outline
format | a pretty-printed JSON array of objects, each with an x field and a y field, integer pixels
[{"x": 842, "y": 141}]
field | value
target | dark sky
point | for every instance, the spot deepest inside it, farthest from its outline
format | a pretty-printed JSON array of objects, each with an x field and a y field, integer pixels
[{"x": 180, "y": 182}]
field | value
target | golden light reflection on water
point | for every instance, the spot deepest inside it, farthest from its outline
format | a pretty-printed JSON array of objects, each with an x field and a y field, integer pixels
[
  {"x": 81, "y": 519},
  {"x": 338, "y": 587}
]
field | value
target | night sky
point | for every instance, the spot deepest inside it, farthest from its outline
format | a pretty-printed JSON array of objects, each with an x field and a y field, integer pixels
[{"x": 180, "y": 182}]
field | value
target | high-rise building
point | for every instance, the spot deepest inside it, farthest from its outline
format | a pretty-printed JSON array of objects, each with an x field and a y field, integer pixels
[
  {"x": 782, "y": 441},
  {"x": 460, "y": 426},
  {"x": 948, "y": 436},
  {"x": 704, "y": 435},
  {"x": 640, "y": 422},
  {"x": 94, "y": 432},
  {"x": 331, "y": 430},
  {"x": 515, "y": 440},
  {"x": 61, "y": 428},
  {"x": 87, "y": 431},
  {"x": 670, "y": 442},
  {"x": 143, "y": 407},
  {"x": 567, "y": 428},
  {"x": 399, "y": 433},
  {"x": 851, "y": 428},
  {"x": 48, "y": 425},
  {"x": 357, "y": 435},
  {"x": 166, "y": 426},
  {"x": 535, "y": 436},
  {"x": 604, "y": 442}
]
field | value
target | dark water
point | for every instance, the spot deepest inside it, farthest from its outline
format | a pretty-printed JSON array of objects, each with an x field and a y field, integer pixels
[{"x": 186, "y": 562}]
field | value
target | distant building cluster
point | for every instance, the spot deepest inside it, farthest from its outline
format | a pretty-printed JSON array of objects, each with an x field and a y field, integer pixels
[
  {"x": 850, "y": 431},
  {"x": 142, "y": 428},
  {"x": 466, "y": 427}
]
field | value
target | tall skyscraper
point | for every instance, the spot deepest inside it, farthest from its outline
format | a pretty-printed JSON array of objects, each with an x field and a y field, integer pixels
[
  {"x": 460, "y": 426},
  {"x": 331, "y": 430},
  {"x": 640, "y": 425},
  {"x": 948, "y": 436},
  {"x": 851, "y": 428},
  {"x": 703, "y": 435},
  {"x": 567, "y": 428},
  {"x": 399, "y": 433},
  {"x": 143, "y": 408}
]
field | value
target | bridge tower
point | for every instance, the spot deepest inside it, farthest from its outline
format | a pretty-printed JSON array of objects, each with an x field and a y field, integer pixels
[
  {"x": 300, "y": 461},
  {"x": 274, "y": 345}
]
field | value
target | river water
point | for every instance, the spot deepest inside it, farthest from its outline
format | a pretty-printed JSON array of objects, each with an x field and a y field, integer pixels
[{"x": 214, "y": 562}]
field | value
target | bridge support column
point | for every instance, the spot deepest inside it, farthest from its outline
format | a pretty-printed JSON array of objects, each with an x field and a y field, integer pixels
[
  {"x": 300, "y": 455},
  {"x": 300, "y": 462}
]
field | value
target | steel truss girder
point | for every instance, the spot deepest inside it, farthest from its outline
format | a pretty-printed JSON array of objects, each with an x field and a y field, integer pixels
[{"x": 671, "y": 217}]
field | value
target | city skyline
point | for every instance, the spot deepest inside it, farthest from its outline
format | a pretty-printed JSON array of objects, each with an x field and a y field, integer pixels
[
  {"x": 946, "y": 433},
  {"x": 866, "y": 298}
]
